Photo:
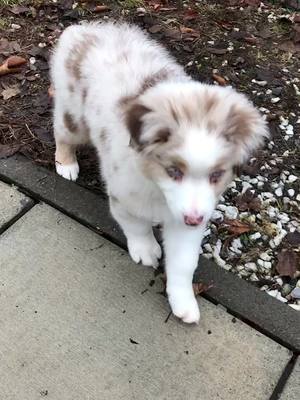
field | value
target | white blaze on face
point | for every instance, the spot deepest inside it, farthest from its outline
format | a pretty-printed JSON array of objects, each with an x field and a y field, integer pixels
[{"x": 194, "y": 195}]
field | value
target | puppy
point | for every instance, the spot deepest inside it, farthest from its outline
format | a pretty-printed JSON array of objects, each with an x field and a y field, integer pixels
[{"x": 167, "y": 144}]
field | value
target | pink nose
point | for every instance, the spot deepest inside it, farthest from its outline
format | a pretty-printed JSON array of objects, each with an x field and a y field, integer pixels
[{"x": 193, "y": 220}]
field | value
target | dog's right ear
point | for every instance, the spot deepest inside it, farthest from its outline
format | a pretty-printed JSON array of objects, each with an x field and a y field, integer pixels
[{"x": 134, "y": 121}]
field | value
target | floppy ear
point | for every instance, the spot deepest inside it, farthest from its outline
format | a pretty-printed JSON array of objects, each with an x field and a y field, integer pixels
[
  {"x": 246, "y": 128},
  {"x": 143, "y": 133}
]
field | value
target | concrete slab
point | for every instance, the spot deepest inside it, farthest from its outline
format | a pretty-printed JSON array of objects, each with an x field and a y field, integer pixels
[
  {"x": 292, "y": 389},
  {"x": 12, "y": 203},
  {"x": 240, "y": 297},
  {"x": 78, "y": 320}
]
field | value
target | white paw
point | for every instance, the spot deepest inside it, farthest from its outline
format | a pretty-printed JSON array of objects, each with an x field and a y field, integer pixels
[
  {"x": 184, "y": 306},
  {"x": 69, "y": 171},
  {"x": 145, "y": 250}
]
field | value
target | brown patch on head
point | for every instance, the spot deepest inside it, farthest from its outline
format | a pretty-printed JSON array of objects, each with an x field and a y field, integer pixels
[
  {"x": 70, "y": 123},
  {"x": 78, "y": 53},
  {"x": 239, "y": 124},
  {"x": 134, "y": 123}
]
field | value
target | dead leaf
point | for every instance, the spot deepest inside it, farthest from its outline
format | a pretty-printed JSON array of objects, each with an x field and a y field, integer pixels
[
  {"x": 190, "y": 15},
  {"x": 248, "y": 201},
  {"x": 219, "y": 79},
  {"x": 289, "y": 46},
  {"x": 11, "y": 65},
  {"x": 218, "y": 52},
  {"x": 237, "y": 227},
  {"x": 185, "y": 29},
  {"x": 7, "y": 47},
  {"x": 8, "y": 150},
  {"x": 251, "y": 40},
  {"x": 155, "y": 29},
  {"x": 17, "y": 10},
  {"x": 287, "y": 263},
  {"x": 10, "y": 92},
  {"x": 292, "y": 238},
  {"x": 99, "y": 9},
  {"x": 200, "y": 287}
]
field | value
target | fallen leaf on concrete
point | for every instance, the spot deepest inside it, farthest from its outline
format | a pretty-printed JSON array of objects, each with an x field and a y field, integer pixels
[
  {"x": 219, "y": 79},
  {"x": 12, "y": 64},
  {"x": 287, "y": 263},
  {"x": 10, "y": 92},
  {"x": 201, "y": 287},
  {"x": 247, "y": 201},
  {"x": 237, "y": 227},
  {"x": 8, "y": 150}
]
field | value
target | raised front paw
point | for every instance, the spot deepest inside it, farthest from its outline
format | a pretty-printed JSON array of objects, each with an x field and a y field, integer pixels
[
  {"x": 184, "y": 306},
  {"x": 145, "y": 250}
]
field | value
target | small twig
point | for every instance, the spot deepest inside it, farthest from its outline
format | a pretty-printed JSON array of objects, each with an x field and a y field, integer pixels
[{"x": 30, "y": 131}]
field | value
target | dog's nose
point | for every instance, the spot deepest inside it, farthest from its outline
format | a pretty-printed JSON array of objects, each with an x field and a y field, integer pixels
[{"x": 193, "y": 220}]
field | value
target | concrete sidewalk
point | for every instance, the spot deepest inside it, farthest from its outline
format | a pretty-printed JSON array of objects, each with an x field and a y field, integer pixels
[{"x": 79, "y": 320}]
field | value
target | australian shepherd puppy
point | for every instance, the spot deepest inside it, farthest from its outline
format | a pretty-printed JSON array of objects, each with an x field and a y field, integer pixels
[{"x": 167, "y": 144}]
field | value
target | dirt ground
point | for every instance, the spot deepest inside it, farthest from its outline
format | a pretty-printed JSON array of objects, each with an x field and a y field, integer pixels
[{"x": 253, "y": 46}]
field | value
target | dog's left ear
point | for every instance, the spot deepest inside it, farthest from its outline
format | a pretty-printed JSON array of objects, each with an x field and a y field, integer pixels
[
  {"x": 143, "y": 129},
  {"x": 246, "y": 128},
  {"x": 135, "y": 114}
]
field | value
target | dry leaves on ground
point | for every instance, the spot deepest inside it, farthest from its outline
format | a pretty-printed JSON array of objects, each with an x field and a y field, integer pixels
[
  {"x": 236, "y": 227},
  {"x": 287, "y": 263},
  {"x": 10, "y": 92},
  {"x": 11, "y": 65},
  {"x": 248, "y": 202}
]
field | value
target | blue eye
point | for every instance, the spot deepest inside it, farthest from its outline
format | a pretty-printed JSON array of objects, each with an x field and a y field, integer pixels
[
  {"x": 215, "y": 176},
  {"x": 175, "y": 173}
]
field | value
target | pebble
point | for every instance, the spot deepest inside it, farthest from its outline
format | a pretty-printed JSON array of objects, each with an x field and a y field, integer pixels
[
  {"x": 251, "y": 266},
  {"x": 245, "y": 186},
  {"x": 15, "y": 26},
  {"x": 278, "y": 192},
  {"x": 265, "y": 256},
  {"x": 277, "y": 295},
  {"x": 231, "y": 212},
  {"x": 217, "y": 216},
  {"x": 255, "y": 236},
  {"x": 32, "y": 60},
  {"x": 292, "y": 178},
  {"x": 296, "y": 293},
  {"x": 295, "y": 306},
  {"x": 275, "y": 100},
  {"x": 291, "y": 192},
  {"x": 253, "y": 278}
]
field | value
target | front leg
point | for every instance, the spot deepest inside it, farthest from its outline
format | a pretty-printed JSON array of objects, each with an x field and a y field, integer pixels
[
  {"x": 141, "y": 243},
  {"x": 182, "y": 252}
]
